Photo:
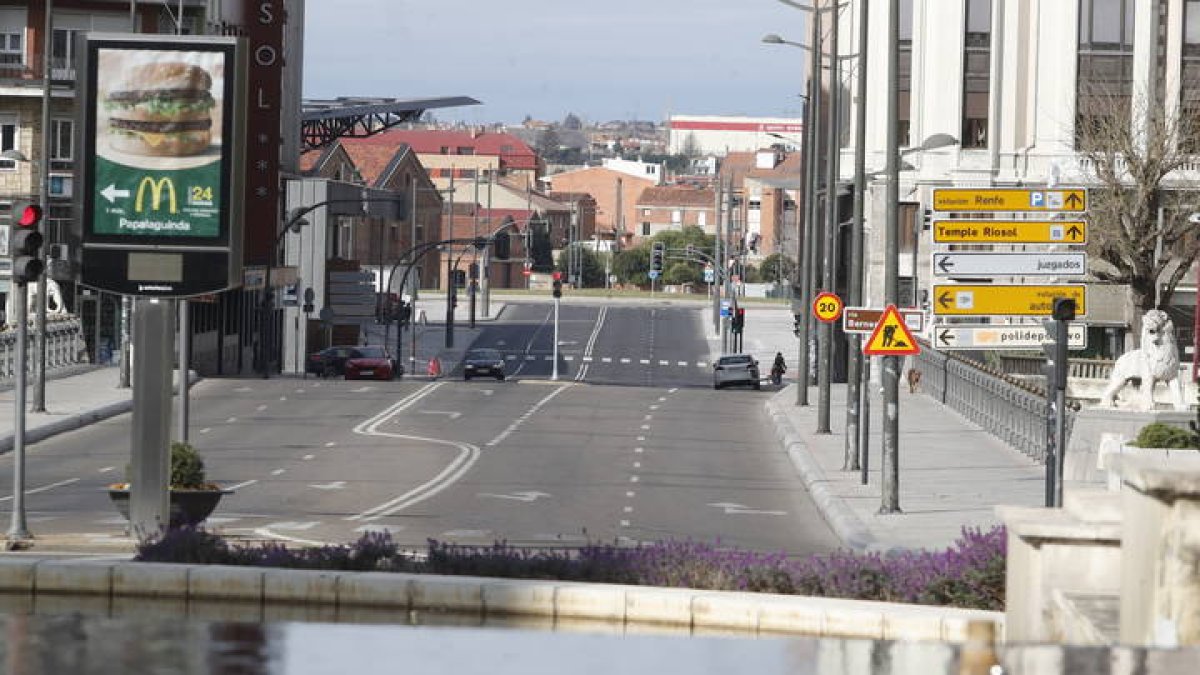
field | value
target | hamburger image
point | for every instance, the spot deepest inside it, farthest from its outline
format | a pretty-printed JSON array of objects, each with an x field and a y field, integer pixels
[{"x": 162, "y": 110}]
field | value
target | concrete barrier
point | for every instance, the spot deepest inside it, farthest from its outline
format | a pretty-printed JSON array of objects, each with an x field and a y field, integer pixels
[{"x": 213, "y": 591}]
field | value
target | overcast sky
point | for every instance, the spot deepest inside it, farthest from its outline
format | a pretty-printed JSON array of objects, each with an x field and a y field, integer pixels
[{"x": 600, "y": 59}]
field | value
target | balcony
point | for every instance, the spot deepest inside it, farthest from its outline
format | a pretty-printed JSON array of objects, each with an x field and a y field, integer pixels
[{"x": 14, "y": 71}]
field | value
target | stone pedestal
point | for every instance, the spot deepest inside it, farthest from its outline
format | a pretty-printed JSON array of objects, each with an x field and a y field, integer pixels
[
  {"x": 1086, "y": 438},
  {"x": 1160, "y": 552}
]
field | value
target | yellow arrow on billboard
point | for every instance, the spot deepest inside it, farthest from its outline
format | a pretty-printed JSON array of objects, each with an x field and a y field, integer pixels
[{"x": 1004, "y": 299}]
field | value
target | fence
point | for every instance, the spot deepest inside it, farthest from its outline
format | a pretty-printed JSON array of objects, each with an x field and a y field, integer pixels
[
  {"x": 65, "y": 347},
  {"x": 1011, "y": 410},
  {"x": 1093, "y": 369}
]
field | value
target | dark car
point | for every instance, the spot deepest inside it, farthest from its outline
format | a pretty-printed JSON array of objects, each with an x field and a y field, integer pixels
[
  {"x": 329, "y": 362},
  {"x": 483, "y": 362},
  {"x": 736, "y": 369},
  {"x": 371, "y": 363}
]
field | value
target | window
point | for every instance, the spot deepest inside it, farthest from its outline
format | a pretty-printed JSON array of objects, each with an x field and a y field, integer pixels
[
  {"x": 1104, "y": 86},
  {"x": 62, "y": 53},
  {"x": 465, "y": 150},
  {"x": 904, "y": 73},
  {"x": 8, "y": 139},
  {"x": 1190, "y": 89},
  {"x": 12, "y": 48},
  {"x": 977, "y": 66},
  {"x": 62, "y": 140},
  {"x": 646, "y": 228},
  {"x": 676, "y": 216}
]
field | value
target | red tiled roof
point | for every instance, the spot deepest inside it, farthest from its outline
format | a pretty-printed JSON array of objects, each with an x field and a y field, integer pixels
[
  {"x": 308, "y": 160},
  {"x": 370, "y": 160},
  {"x": 512, "y": 151}
]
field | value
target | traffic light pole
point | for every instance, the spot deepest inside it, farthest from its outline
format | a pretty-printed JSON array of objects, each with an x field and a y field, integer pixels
[
  {"x": 18, "y": 529},
  {"x": 39, "y": 383},
  {"x": 554, "y": 360}
]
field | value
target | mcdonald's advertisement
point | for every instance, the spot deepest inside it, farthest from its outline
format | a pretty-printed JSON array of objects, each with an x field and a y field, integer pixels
[
  {"x": 163, "y": 150},
  {"x": 158, "y": 162}
]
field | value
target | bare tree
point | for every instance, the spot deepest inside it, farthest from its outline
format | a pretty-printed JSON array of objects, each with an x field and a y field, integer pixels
[{"x": 1132, "y": 154}]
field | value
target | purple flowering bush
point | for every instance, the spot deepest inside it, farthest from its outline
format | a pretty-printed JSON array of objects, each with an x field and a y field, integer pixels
[{"x": 968, "y": 574}]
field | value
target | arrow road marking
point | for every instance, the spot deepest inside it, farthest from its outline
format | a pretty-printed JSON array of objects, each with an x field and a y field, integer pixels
[
  {"x": 335, "y": 485},
  {"x": 294, "y": 525},
  {"x": 741, "y": 509},
  {"x": 531, "y": 496},
  {"x": 111, "y": 193}
]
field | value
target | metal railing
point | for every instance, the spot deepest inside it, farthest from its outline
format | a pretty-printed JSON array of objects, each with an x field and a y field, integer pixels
[
  {"x": 1011, "y": 410},
  {"x": 1095, "y": 369},
  {"x": 65, "y": 347}
]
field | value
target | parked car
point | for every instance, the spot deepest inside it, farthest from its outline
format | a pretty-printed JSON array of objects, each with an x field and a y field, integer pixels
[
  {"x": 736, "y": 369},
  {"x": 483, "y": 362},
  {"x": 371, "y": 363},
  {"x": 329, "y": 362}
]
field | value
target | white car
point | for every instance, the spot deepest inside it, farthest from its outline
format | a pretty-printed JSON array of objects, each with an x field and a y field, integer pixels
[{"x": 736, "y": 369}]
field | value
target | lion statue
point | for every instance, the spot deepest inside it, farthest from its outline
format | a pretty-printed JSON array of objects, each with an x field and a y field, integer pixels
[
  {"x": 1156, "y": 360},
  {"x": 54, "y": 302}
]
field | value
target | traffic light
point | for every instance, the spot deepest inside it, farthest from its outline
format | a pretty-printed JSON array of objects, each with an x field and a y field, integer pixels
[
  {"x": 739, "y": 320},
  {"x": 656, "y": 257},
  {"x": 1055, "y": 349},
  {"x": 26, "y": 242},
  {"x": 796, "y": 325},
  {"x": 557, "y": 284}
]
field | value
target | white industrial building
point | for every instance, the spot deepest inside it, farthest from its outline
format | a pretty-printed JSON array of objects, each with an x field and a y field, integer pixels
[{"x": 718, "y": 135}]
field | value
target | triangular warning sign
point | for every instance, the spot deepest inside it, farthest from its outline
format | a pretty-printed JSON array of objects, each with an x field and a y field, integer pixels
[{"x": 891, "y": 336}]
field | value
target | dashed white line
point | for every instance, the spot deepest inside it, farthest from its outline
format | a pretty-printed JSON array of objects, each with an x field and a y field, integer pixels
[
  {"x": 587, "y": 359},
  {"x": 44, "y": 488},
  {"x": 639, "y": 450},
  {"x": 308, "y": 457},
  {"x": 631, "y": 494},
  {"x": 106, "y": 469},
  {"x": 624, "y": 523},
  {"x": 231, "y": 420},
  {"x": 242, "y": 485},
  {"x": 330, "y": 444},
  {"x": 606, "y": 359},
  {"x": 644, "y": 362},
  {"x": 278, "y": 472},
  {"x": 628, "y": 509},
  {"x": 261, "y": 408},
  {"x": 645, "y": 426},
  {"x": 624, "y": 360},
  {"x": 637, "y": 465},
  {"x": 683, "y": 363},
  {"x": 633, "y": 479},
  {"x": 664, "y": 363},
  {"x": 205, "y": 430}
]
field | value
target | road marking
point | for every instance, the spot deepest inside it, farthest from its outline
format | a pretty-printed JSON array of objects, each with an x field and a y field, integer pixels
[
  {"x": 741, "y": 509},
  {"x": 624, "y": 523},
  {"x": 664, "y": 363},
  {"x": 510, "y": 357},
  {"x": 641, "y": 438},
  {"x": 673, "y": 390},
  {"x": 701, "y": 364},
  {"x": 528, "y": 497},
  {"x": 606, "y": 359},
  {"x": 45, "y": 487},
  {"x": 477, "y": 534},
  {"x": 587, "y": 359},
  {"x": 654, "y": 407},
  {"x": 648, "y": 417},
  {"x": 361, "y": 390},
  {"x": 449, "y": 413},
  {"x": 548, "y": 358},
  {"x": 308, "y": 457},
  {"x": 530, "y": 357},
  {"x": 106, "y": 469},
  {"x": 330, "y": 444},
  {"x": 294, "y": 525},
  {"x": 243, "y": 389},
  {"x": 205, "y": 430},
  {"x": 637, "y": 465},
  {"x": 645, "y": 426},
  {"x": 662, "y": 398},
  {"x": 261, "y": 408},
  {"x": 628, "y": 509},
  {"x": 644, "y": 362},
  {"x": 683, "y": 363},
  {"x": 231, "y": 420},
  {"x": 278, "y": 472},
  {"x": 568, "y": 358},
  {"x": 529, "y": 413},
  {"x": 467, "y": 455},
  {"x": 382, "y": 529},
  {"x": 242, "y": 485},
  {"x": 299, "y": 391},
  {"x": 639, "y": 450},
  {"x": 626, "y": 360},
  {"x": 633, "y": 479},
  {"x": 335, "y": 485},
  {"x": 630, "y": 494}
]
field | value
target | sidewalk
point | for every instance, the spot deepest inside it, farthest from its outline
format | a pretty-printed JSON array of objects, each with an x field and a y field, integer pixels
[
  {"x": 72, "y": 402},
  {"x": 952, "y": 473}
]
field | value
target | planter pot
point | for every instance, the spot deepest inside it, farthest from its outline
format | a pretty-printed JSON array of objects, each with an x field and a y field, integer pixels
[{"x": 188, "y": 507}]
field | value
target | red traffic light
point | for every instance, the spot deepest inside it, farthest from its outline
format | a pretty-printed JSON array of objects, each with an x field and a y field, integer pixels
[
  {"x": 557, "y": 275},
  {"x": 28, "y": 215}
]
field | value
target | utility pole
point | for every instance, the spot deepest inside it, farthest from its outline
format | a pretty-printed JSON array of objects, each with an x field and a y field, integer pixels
[
  {"x": 834, "y": 150},
  {"x": 39, "y": 381},
  {"x": 854, "y": 387},
  {"x": 804, "y": 266},
  {"x": 890, "y": 502}
]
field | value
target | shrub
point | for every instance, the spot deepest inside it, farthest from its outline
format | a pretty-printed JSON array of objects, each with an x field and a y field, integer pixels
[
  {"x": 187, "y": 467},
  {"x": 1160, "y": 435},
  {"x": 968, "y": 574}
]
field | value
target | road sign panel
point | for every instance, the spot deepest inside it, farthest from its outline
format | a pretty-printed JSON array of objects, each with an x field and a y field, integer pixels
[
  {"x": 1021, "y": 337},
  {"x": 1009, "y": 232},
  {"x": 977, "y": 200},
  {"x": 653, "y": 274},
  {"x": 1003, "y": 299},
  {"x": 891, "y": 337},
  {"x": 827, "y": 307},
  {"x": 963, "y": 264},
  {"x": 864, "y": 319}
]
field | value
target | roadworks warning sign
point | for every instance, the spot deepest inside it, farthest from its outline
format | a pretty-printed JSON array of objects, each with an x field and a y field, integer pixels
[{"x": 891, "y": 336}]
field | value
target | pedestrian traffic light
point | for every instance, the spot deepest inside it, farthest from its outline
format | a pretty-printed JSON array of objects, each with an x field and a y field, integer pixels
[
  {"x": 656, "y": 257},
  {"x": 739, "y": 320},
  {"x": 26, "y": 242}
]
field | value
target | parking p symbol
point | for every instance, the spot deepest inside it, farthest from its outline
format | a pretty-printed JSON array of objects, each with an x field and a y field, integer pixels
[{"x": 1037, "y": 199}]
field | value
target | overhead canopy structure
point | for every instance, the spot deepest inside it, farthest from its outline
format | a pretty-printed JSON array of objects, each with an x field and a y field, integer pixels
[{"x": 327, "y": 120}]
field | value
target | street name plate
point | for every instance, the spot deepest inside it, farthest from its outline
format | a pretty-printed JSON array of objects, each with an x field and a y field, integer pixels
[
  {"x": 864, "y": 319},
  {"x": 1009, "y": 232},
  {"x": 969, "y": 200},
  {"x": 1025, "y": 337},
  {"x": 1004, "y": 299},
  {"x": 962, "y": 264}
]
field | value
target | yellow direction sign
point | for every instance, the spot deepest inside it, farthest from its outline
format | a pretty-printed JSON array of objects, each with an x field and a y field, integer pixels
[
  {"x": 974, "y": 200},
  {"x": 1003, "y": 299},
  {"x": 891, "y": 337},
  {"x": 1009, "y": 232}
]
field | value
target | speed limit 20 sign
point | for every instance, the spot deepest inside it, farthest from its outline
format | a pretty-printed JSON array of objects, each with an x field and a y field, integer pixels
[{"x": 827, "y": 307}]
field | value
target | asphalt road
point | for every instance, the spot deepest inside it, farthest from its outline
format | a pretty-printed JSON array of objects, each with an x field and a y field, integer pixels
[{"x": 631, "y": 443}]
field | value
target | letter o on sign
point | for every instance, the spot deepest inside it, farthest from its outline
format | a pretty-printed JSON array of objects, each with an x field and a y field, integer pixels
[
  {"x": 827, "y": 307},
  {"x": 265, "y": 55}
]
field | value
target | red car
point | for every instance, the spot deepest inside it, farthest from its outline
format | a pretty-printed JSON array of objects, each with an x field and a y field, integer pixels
[{"x": 371, "y": 363}]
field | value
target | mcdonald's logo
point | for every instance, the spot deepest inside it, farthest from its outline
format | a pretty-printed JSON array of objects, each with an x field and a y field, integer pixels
[{"x": 156, "y": 192}]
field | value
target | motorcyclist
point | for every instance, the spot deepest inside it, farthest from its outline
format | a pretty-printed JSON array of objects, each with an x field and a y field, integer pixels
[{"x": 778, "y": 368}]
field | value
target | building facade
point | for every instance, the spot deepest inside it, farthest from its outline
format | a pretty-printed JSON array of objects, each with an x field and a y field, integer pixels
[{"x": 721, "y": 135}]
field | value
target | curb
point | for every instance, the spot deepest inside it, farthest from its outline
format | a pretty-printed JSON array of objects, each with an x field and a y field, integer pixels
[{"x": 841, "y": 518}]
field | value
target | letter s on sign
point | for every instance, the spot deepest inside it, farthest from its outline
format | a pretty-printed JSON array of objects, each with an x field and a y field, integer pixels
[{"x": 266, "y": 13}]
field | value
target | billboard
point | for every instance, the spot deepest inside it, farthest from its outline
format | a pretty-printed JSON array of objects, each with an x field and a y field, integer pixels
[{"x": 162, "y": 152}]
